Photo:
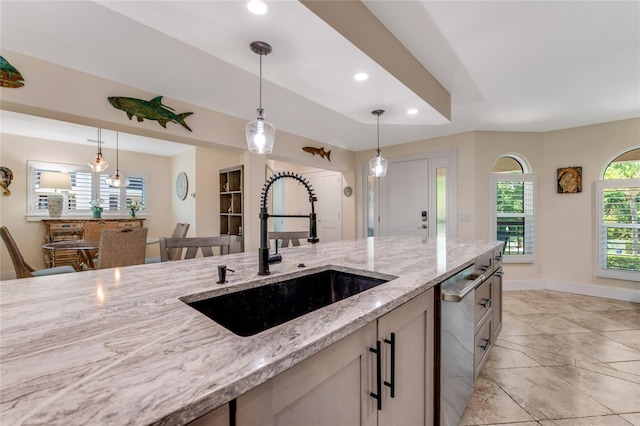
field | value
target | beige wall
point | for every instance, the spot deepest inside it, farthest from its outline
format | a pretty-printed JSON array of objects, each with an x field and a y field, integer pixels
[{"x": 565, "y": 222}]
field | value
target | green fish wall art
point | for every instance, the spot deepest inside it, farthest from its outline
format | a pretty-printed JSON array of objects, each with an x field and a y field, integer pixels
[
  {"x": 9, "y": 75},
  {"x": 151, "y": 110}
]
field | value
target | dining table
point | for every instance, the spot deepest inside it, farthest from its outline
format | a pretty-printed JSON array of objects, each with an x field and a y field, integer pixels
[{"x": 83, "y": 247}]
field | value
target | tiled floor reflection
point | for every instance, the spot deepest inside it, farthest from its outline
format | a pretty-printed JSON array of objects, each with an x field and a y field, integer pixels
[{"x": 561, "y": 360}]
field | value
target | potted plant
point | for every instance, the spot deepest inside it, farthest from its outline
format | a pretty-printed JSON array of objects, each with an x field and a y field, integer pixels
[
  {"x": 96, "y": 208},
  {"x": 134, "y": 206}
]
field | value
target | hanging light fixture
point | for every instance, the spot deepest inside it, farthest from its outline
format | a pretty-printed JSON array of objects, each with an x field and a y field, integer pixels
[
  {"x": 378, "y": 165},
  {"x": 260, "y": 133},
  {"x": 99, "y": 164},
  {"x": 117, "y": 180}
]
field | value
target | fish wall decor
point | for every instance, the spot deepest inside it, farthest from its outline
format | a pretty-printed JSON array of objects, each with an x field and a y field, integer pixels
[
  {"x": 9, "y": 75},
  {"x": 151, "y": 110},
  {"x": 6, "y": 176},
  {"x": 319, "y": 151}
]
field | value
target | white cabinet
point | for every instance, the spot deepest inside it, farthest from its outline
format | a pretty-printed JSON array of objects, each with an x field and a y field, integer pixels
[
  {"x": 412, "y": 328},
  {"x": 324, "y": 389},
  {"x": 335, "y": 385},
  {"x": 218, "y": 417}
]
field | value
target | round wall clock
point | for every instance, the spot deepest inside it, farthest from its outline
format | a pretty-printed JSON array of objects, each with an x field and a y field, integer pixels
[{"x": 182, "y": 186}]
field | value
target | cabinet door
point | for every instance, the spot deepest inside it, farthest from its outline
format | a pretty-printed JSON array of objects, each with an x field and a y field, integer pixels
[
  {"x": 218, "y": 417},
  {"x": 496, "y": 298},
  {"x": 413, "y": 328},
  {"x": 322, "y": 390}
]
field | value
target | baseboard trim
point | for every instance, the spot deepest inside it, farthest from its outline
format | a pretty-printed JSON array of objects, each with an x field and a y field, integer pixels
[{"x": 624, "y": 294}]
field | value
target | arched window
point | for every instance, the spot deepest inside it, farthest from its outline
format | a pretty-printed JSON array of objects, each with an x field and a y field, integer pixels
[
  {"x": 618, "y": 199},
  {"x": 513, "y": 218}
]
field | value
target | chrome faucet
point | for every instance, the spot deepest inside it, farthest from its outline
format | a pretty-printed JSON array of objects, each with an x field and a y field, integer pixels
[{"x": 264, "y": 259}]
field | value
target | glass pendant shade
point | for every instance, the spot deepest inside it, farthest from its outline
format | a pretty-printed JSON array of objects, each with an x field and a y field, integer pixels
[
  {"x": 378, "y": 166},
  {"x": 260, "y": 134},
  {"x": 99, "y": 164},
  {"x": 118, "y": 180}
]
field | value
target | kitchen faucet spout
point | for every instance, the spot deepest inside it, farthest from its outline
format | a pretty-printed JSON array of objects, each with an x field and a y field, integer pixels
[{"x": 264, "y": 258}]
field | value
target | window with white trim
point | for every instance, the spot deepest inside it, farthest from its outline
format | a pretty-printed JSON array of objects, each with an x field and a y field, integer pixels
[
  {"x": 85, "y": 187},
  {"x": 617, "y": 201},
  {"x": 513, "y": 208}
]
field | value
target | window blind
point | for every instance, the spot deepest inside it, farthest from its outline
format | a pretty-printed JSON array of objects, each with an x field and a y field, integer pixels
[
  {"x": 514, "y": 211},
  {"x": 618, "y": 228}
]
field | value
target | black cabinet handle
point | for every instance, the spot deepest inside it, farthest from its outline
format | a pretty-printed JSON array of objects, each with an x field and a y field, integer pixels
[
  {"x": 392, "y": 384},
  {"x": 378, "y": 395},
  {"x": 485, "y": 302},
  {"x": 499, "y": 274},
  {"x": 486, "y": 344},
  {"x": 484, "y": 268}
]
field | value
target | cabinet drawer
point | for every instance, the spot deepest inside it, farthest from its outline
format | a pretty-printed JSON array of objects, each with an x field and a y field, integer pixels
[
  {"x": 66, "y": 227},
  {"x": 135, "y": 224},
  {"x": 483, "y": 302},
  {"x": 497, "y": 258},
  {"x": 484, "y": 263},
  {"x": 482, "y": 345}
]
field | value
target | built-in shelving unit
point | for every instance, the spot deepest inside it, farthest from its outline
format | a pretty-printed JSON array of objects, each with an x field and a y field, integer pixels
[{"x": 231, "y": 185}]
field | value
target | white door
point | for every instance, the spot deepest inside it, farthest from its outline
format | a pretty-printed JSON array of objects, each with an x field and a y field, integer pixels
[
  {"x": 404, "y": 198},
  {"x": 327, "y": 185}
]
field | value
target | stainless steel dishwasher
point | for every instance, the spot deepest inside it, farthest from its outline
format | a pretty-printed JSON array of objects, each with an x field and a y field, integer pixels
[{"x": 457, "y": 329}]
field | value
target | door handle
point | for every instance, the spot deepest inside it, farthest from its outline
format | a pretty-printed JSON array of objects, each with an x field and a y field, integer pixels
[
  {"x": 392, "y": 383},
  {"x": 378, "y": 395}
]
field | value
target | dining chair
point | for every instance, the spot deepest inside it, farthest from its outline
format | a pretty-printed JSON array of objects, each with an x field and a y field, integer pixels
[
  {"x": 22, "y": 268},
  {"x": 205, "y": 244},
  {"x": 287, "y": 237},
  {"x": 122, "y": 247},
  {"x": 180, "y": 231}
]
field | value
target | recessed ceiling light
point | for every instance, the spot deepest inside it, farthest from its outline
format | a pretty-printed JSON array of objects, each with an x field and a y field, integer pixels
[
  {"x": 412, "y": 111},
  {"x": 361, "y": 76},
  {"x": 257, "y": 7}
]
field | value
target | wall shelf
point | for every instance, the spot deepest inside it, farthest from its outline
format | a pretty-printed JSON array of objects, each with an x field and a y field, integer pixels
[{"x": 231, "y": 208}]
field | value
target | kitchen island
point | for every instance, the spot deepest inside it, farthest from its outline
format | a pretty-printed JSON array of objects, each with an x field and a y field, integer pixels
[{"x": 118, "y": 346}]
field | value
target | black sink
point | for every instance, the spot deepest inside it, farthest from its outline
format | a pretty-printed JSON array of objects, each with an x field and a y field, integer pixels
[{"x": 251, "y": 311}]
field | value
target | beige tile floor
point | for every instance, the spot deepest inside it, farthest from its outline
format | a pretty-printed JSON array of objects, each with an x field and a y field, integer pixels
[{"x": 563, "y": 360}]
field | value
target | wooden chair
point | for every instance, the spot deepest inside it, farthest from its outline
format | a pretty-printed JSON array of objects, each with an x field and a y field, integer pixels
[
  {"x": 180, "y": 231},
  {"x": 23, "y": 270},
  {"x": 122, "y": 247},
  {"x": 287, "y": 237},
  {"x": 205, "y": 244}
]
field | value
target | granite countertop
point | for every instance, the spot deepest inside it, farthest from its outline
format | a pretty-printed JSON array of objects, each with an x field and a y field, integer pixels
[{"x": 117, "y": 346}]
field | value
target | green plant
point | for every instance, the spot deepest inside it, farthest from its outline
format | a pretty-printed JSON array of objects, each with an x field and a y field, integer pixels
[{"x": 96, "y": 205}]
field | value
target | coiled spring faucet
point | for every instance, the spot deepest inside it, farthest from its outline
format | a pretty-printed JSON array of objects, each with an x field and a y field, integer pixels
[{"x": 263, "y": 252}]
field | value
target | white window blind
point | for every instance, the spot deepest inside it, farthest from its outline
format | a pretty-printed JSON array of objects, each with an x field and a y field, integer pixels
[
  {"x": 617, "y": 237},
  {"x": 514, "y": 212},
  {"x": 85, "y": 187},
  {"x": 77, "y": 198}
]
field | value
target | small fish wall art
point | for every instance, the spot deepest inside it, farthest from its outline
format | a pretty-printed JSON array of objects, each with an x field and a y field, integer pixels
[
  {"x": 9, "y": 75},
  {"x": 319, "y": 151},
  {"x": 151, "y": 110},
  {"x": 6, "y": 176}
]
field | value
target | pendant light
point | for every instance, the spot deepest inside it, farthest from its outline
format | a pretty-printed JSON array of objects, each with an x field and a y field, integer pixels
[
  {"x": 378, "y": 165},
  {"x": 99, "y": 165},
  {"x": 260, "y": 133},
  {"x": 117, "y": 180}
]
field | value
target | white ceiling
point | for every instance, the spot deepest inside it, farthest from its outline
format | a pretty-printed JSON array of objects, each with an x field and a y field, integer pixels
[{"x": 508, "y": 65}]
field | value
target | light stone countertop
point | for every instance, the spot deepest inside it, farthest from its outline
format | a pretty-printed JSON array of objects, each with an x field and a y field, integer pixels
[{"x": 118, "y": 347}]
